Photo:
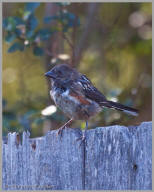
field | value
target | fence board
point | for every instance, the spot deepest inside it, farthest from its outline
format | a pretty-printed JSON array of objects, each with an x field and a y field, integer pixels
[{"x": 113, "y": 158}]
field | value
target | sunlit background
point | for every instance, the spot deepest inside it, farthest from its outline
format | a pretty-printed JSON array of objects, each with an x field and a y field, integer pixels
[{"x": 114, "y": 42}]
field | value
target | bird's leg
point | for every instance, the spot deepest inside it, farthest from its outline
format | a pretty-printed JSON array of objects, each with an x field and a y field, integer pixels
[
  {"x": 63, "y": 127},
  {"x": 83, "y": 137}
]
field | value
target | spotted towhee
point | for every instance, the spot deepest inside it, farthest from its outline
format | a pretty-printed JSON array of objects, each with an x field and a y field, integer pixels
[{"x": 76, "y": 96}]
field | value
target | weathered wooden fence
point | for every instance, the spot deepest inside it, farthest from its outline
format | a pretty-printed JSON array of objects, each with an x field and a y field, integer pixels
[{"x": 114, "y": 158}]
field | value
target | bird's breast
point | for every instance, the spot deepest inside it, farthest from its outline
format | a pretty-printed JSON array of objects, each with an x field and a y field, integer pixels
[
  {"x": 72, "y": 106},
  {"x": 64, "y": 101},
  {"x": 62, "y": 97}
]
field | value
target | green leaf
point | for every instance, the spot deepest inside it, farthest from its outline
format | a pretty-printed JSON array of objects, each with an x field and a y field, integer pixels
[
  {"x": 31, "y": 6},
  {"x": 26, "y": 15},
  {"x": 16, "y": 47},
  {"x": 19, "y": 21},
  {"x": 47, "y": 20},
  {"x": 9, "y": 24},
  {"x": 29, "y": 34},
  {"x": 18, "y": 32},
  {"x": 32, "y": 22},
  {"x": 10, "y": 37},
  {"x": 68, "y": 20},
  {"x": 44, "y": 34},
  {"x": 38, "y": 51},
  {"x": 5, "y": 23}
]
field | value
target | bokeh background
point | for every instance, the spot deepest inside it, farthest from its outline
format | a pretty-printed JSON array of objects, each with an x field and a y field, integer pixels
[{"x": 111, "y": 43}]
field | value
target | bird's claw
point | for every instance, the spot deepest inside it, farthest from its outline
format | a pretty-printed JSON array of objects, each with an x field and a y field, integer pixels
[
  {"x": 82, "y": 138},
  {"x": 60, "y": 130}
]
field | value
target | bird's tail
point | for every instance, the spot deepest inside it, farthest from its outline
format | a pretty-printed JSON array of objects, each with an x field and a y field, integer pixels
[{"x": 120, "y": 107}]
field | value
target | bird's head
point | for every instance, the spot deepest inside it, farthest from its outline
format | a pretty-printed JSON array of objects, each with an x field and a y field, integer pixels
[{"x": 62, "y": 72}]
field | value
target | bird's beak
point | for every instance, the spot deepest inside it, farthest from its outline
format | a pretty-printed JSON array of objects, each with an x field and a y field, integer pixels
[{"x": 50, "y": 74}]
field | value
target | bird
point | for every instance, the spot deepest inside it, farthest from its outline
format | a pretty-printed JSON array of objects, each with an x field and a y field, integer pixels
[{"x": 77, "y": 97}]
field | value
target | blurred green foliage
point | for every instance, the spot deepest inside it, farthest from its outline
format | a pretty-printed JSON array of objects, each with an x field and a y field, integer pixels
[
  {"x": 26, "y": 31},
  {"x": 118, "y": 60}
]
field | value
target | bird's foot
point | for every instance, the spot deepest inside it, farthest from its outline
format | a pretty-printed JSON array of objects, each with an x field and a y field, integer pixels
[
  {"x": 60, "y": 130},
  {"x": 82, "y": 138}
]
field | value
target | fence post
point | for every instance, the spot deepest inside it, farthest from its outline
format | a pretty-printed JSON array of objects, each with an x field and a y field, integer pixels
[{"x": 113, "y": 158}]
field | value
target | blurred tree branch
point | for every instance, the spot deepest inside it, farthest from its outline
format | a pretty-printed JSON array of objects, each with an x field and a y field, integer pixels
[
  {"x": 53, "y": 45},
  {"x": 92, "y": 11}
]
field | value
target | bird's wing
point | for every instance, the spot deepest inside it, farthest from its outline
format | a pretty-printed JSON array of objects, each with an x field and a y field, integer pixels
[
  {"x": 86, "y": 88},
  {"x": 94, "y": 94},
  {"x": 75, "y": 90}
]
